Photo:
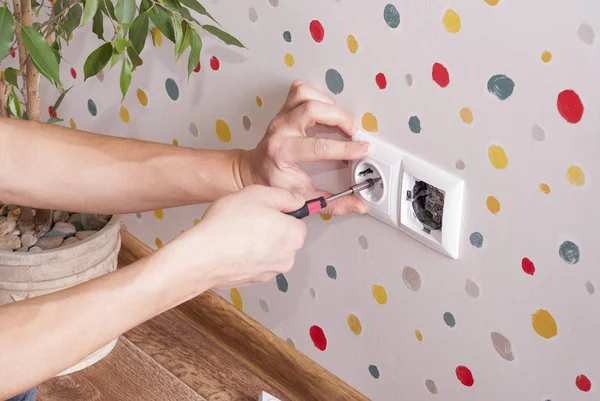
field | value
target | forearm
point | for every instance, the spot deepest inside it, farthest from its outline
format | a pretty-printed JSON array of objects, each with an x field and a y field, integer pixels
[
  {"x": 40, "y": 337},
  {"x": 48, "y": 166}
]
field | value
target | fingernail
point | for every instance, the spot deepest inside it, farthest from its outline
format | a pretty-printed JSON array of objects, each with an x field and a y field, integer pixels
[
  {"x": 365, "y": 147},
  {"x": 354, "y": 128}
]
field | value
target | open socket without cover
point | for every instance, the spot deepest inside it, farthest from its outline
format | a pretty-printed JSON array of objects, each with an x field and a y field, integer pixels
[{"x": 414, "y": 196}]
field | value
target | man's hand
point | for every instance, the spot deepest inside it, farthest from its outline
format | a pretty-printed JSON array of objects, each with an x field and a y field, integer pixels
[
  {"x": 243, "y": 238},
  {"x": 274, "y": 161}
]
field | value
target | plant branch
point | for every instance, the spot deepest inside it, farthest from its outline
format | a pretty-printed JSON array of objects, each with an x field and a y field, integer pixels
[
  {"x": 111, "y": 20},
  {"x": 4, "y": 91},
  {"x": 174, "y": 13},
  {"x": 21, "y": 45}
]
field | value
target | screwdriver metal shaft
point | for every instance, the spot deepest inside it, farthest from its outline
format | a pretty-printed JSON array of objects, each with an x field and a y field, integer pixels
[{"x": 366, "y": 184}]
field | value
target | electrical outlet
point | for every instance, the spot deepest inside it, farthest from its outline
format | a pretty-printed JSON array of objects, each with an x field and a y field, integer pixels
[
  {"x": 416, "y": 197},
  {"x": 264, "y": 396}
]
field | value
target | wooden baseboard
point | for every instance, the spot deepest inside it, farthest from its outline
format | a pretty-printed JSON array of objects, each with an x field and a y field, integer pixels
[{"x": 295, "y": 375}]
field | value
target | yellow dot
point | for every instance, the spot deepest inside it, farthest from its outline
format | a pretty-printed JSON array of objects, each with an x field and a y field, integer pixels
[
  {"x": 546, "y": 56},
  {"x": 142, "y": 97},
  {"x": 466, "y": 115},
  {"x": 493, "y": 204},
  {"x": 369, "y": 122},
  {"x": 223, "y": 131},
  {"x": 71, "y": 36},
  {"x": 196, "y": 221},
  {"x": 158, "y": 243},
  {"x": 175, "y": 142},
  {"x": 492, "y": 2},
  {"x": 576, "y": 176},
  {"x": 2, "y": 76},
  {"x": 379, "y": 294},
  {"x": 419, "y": 335},
  {"x": 72, "y": 123},
  {"x": 159, "y": 214},
  {"x": 325, "y": 217},
  {"x": 124, "y": 114},
  {"x": 545, "y": 188},
  {"x": 289, "y": 60},
  {"x": 157, "y": 37},
  {"x": 544, "y": 324},
  {"x": 451, "y": 21},
  {"x": 236, "y": 298},
  {"x": 354, "y": 324},
  {"x": 258, "y": 101},
  {"x": 352, "y": 44},
  {"x": 497, "y": 157}
]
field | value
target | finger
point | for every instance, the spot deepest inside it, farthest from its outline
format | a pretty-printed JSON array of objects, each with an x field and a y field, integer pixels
[
  {"x": 314, "y": 112},
  {"x": 342, "y": 206},
  {"x": 277, "y": 198},
  {"x": 302, "y": 93},
  {"x": 302, "y": 149}
]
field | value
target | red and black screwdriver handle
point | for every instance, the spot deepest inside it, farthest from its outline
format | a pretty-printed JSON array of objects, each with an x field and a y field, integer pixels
[{"x": 310, "y": 207}]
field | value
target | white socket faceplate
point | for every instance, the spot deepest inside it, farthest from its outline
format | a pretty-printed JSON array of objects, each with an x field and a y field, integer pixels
[{"x": 399, "y": 171}]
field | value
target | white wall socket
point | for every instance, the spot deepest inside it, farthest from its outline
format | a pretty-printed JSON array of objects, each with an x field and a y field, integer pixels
[
  {"x": 414, "y": 196},
  {"x": 264, "y": 396}
]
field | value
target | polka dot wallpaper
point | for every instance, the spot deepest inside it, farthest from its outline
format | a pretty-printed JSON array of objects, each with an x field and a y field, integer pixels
[{"x": 502, "y": 93}]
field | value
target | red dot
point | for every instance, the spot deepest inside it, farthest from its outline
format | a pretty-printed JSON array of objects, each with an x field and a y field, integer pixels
[
  {"x": 197, "y": 69},
  {"x": 381, "y": 80},
  {"x": 318, "y": 337},
  {"x": 317, "y": 31},
  {"x": 51, "y": 112},
  {"x": 569, "y": 106},
  {"x": 73, "y": 73},
  {"x": 528, "y": 266},
  {"x": 465, "y": 376},
  {"x": 583, "y": 383},
  {"x": 440, "y": 75},
  {"x": 214, "y": 63},
  {"x": 12, "y": 53}
]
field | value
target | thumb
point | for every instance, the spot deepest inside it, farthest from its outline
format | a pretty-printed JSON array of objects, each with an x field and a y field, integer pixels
[{"x": 279, "y": 198}]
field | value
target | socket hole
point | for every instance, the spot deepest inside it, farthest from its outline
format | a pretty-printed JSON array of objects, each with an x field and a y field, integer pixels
[
  {"x": 428, "y": 205},
  {"x": 367, "y": 170}
]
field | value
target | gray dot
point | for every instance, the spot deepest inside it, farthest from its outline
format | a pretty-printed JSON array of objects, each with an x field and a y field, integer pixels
[
  {"x": 589, "y": 286},
  {"x": 100, "y": 76},
  {"x": 471, "y": 288},
  {"x": 334, "y": 81},
  {"x": 503, "y": 346},
  {"x": 252, "y": 14},
  {"x": 569, "y": 252},
  {"x": 246, "y": 123},
  {"x": 449, "y": 319},
  {"x": 586, "y": 33},
  {"x": 172, "y": 88},
  {"x": 194, "y": 130},
  {"x": 391, "y": 16},
  {"x": 274, "y": 3},
  {"x": 409, "y": 80},
  {"x": 414, "y": 124},
  {"x": 263, "y": 305},
  {"x": 282, "y": 283},
  {"x": 538, "y": 133},
  {"x": 363, "y": 242},
  {"x": 430, "y": 385},
  {"x": 476, "y": 239},
  {"x": 290, "y": 342},
  {"x": 313, "y": 293},
  {"x": 138, "y": 215},
  {"x": 411, "y": 278},
  {"x": 501, "y": 86},
  {"x": 331, "y": 272},
  {"x": 460, "y": 165}
]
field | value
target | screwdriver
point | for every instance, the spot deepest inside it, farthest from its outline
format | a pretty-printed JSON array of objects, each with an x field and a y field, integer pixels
[{"x": 315, "y": 205}]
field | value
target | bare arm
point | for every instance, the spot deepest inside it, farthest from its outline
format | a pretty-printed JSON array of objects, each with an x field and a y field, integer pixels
[{"x": 53, "y": 167}]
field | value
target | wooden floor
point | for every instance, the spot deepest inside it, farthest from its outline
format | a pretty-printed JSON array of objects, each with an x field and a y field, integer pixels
[{"x": 204, "y": 349}]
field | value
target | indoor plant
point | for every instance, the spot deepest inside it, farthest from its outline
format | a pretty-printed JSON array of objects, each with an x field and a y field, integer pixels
[{"x": 43, "y": 251}]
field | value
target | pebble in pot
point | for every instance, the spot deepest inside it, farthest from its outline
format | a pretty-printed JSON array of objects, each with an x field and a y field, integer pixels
[
  {"x": 70, "y": 240},
  {"x": 85, "y": 234},
  {"x": 10, "y": 241},
  {"x": 67, "y": 229},
  {"x": 47, "y": 243},
  {"x": 7, "y": 225}
]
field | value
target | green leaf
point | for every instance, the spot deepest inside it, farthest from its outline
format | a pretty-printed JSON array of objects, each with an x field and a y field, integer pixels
[
  {"x": 178, "y": 35},
  {"x": 97, "y": 60},
  {"x": 54, "y": 120},
  {"x": 11, "y": 76},
  {"x": 59, "y": 100},
  {"x": 186, "y": 14},
  {"x": 89, "y": 11},
  {"x": 120, "y": 45},
  {"x": 58, "y": 6},
  {"x": 13, "y": 104},
  {"x": 185, "y": 41},
  {"x": 138, "y": 32},
  {"x": 196, "y": 48},
  {"x": 34, "y": 4},
  {"x": 125, "y": 11},
  {"x": 110, "y": 12},
  {"x": 125, "y": 80},
  {"x": 224, "y": 36},
  {"x": 199, "y": 8},
  {"x": 25, "y": 116},
  {"x": 114, "y": 59},
  {"x": 136, "y": 61},
  {"x": 172, "y": 5},
  {"x": 98, "y": 25},
  {"x": 42, "y": 55},
  {"x": 161, "y": 18},
  {"x": 7, "y": 31},
  {"x": 73, "y": 19}
]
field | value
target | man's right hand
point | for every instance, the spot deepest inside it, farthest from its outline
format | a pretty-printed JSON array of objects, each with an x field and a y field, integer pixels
[{"x": 243, "y": 238}]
